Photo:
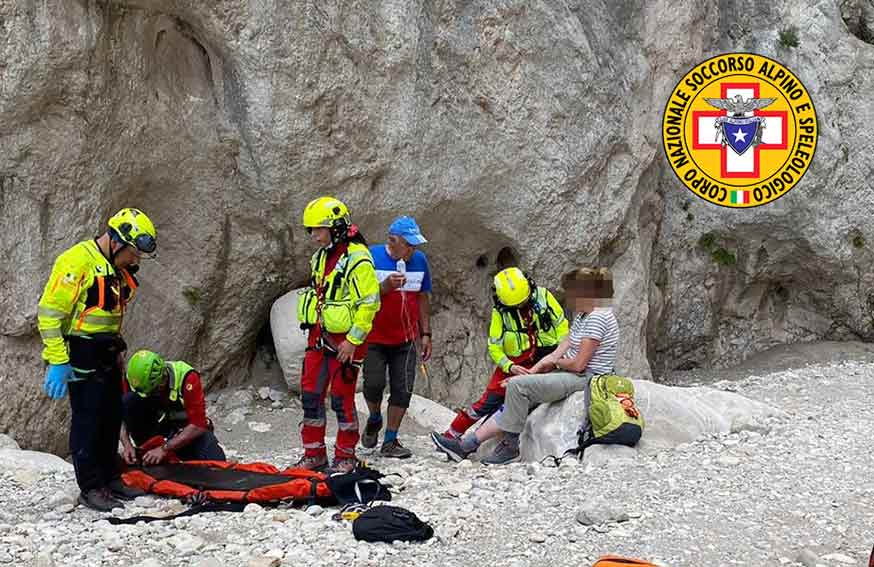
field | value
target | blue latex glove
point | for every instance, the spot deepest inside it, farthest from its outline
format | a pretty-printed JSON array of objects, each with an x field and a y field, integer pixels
[{"x": 57, "y": 376}]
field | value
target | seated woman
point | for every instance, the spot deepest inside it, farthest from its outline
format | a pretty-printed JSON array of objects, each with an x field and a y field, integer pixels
[{"x": 589, "y": 350}]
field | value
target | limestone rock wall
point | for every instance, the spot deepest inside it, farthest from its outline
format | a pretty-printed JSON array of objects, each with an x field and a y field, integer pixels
[{"x": 513, "y": 130}]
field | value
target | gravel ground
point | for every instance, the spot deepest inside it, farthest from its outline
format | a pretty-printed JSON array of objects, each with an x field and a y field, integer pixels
[{"x": 798, "y": 493}]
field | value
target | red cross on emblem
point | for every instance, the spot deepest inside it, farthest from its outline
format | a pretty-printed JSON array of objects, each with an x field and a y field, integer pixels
[{"x": 774, "y": 136}]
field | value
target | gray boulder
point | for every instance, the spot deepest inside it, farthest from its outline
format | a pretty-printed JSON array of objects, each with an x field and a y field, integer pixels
[
  {"x": 423, "y": 415},
  {"x": 32, "y": 461},
  {"x": 288, "y": 339},
  {"x": 7, "y": 442},
  {"x": 673, "y": 415}
]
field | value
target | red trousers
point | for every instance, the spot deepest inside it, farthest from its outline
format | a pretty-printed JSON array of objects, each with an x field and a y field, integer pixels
[
  {"x": 489, "y": 402},
  {"x": 321, "y": 371}
]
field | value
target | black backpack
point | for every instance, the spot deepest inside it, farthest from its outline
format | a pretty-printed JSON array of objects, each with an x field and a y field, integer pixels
[
  {"x": 390, "y": 523},
  {"x": 359, "y": 486}
]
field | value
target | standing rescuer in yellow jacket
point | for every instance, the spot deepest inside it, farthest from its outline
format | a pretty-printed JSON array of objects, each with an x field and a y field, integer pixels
[
  {"x": 80, "y": 318},
  {"x": 338, "y": 310}
]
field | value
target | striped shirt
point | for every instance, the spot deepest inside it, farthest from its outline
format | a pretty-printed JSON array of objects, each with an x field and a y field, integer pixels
[{"x": 602, "y": 326}]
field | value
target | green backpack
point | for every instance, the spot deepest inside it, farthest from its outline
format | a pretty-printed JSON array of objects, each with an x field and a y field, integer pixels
[{"x": 613, "y": 417}]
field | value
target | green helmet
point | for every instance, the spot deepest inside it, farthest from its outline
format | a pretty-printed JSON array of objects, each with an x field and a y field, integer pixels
[{"x": 144, "y": 372}]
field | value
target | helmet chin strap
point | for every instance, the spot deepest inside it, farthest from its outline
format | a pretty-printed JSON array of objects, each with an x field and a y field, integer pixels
[{"x": 113, "y": 238}]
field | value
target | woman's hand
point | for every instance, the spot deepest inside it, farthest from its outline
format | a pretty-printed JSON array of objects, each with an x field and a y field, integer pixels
[{"x": 546, "y": 364}]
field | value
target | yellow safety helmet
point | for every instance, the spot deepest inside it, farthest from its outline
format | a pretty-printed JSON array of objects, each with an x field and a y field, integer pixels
[
  {"x": 134, "y": 228},
  {"x": 326, "y": 212},
  {"x": 512, "y": 287}
]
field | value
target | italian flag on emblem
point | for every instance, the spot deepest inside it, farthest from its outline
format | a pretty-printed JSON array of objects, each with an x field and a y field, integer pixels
[{"x": 741, "y": 197}]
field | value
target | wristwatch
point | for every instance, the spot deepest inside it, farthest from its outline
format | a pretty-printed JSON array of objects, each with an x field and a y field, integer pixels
[{"x": 428, "y": 334}]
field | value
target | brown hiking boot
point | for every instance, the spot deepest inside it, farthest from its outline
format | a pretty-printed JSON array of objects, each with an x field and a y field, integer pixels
[
  {"x": 318, "y": 464},
  {"x": 343, "y": 465},
  {"x": 99, "y": 499},
  {"x": 395, "y": 450}
]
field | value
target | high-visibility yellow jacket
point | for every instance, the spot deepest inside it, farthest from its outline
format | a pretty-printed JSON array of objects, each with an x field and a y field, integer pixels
[
  {"x": 345, "y": 300},
  {"x": 85, "y": 295},
  {"x": 178, "y": 371},
  {"x": 508, "y": 334}
]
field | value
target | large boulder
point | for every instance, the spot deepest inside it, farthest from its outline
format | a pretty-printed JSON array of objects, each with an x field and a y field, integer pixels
[
  {"x": 514, "y": 130},
  {"x": 288, "y": 339},
  {"x": 7, "y": 442},
  {"x": 32, "y": 461},
  {"x": 674, "y": 415},
  {"x": 422, "y": 416}
]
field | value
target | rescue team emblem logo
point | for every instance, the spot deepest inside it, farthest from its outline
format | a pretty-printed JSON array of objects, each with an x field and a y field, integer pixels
[{"x": 739, "y": 130}]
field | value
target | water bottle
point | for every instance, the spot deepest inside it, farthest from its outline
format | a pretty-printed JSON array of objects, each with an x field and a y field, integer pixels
[{"x": 402, "y": 270}]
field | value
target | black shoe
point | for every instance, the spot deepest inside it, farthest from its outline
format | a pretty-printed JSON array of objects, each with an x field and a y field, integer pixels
[
  {"x": 118, "y": 489},
  {"x": 99, "y": 499},
  {"x": 371, "y": 434},
  {"x": 395, "y": 450}
]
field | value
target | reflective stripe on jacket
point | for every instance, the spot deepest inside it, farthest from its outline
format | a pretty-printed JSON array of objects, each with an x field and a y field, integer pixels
[
  {"x": 85, "y": 295},
  {"x": 509, "y": 336},
  {"x": 348, "y": 297}
]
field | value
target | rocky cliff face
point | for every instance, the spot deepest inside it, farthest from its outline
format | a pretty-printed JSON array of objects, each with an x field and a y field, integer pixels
[{"x": 513, "y": 130}]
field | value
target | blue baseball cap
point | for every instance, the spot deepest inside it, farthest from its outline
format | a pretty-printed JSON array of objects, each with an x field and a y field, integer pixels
[{"x": 407, "y": 228}]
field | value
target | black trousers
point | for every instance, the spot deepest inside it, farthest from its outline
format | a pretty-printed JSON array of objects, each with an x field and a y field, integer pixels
[
  {"x": 399, "y": 361},
  {"x": 95, "y": 401},
  {"x": 141, "y": 417}
]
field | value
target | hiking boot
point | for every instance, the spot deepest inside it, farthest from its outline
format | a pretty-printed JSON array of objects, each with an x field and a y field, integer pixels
[
  {"x": 343, "y": 465},
  {"x": 99, "y": 499},
  {"x": 118, "y": 489},
  {"x": 395, "y": 450},
  {"x": 371, "y": 434},
  {"x": 449, "y": 445},
  {"x": 506, "y": 452},
  {"x": 318, "y": 464}
]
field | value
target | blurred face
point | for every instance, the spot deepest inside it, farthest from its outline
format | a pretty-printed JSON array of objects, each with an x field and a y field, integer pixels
[
  {"x": 321, "y": 236},
  {"x": 582, "y": 296},
  {"x": 399, "y": 248},
  {"x": 125, "y": 256},
  {"x": 582, "y": 304}
]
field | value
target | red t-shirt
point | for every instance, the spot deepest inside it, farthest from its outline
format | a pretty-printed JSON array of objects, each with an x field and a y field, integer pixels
[
  {"x": 397, "y": 321},
  {"x": 195, "y": 402}
]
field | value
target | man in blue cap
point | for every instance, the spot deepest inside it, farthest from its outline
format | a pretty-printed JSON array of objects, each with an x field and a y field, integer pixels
[{"x": 403, "y": 318}]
